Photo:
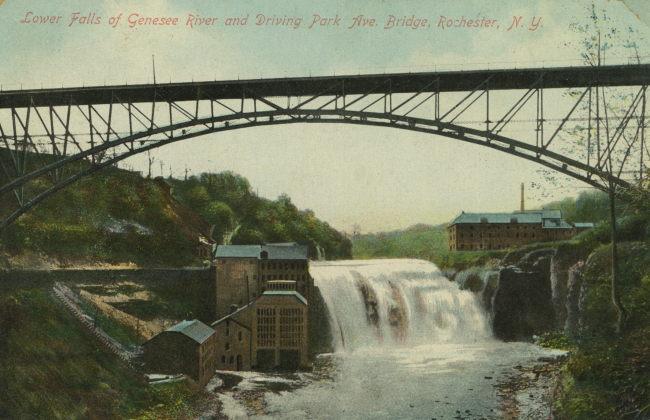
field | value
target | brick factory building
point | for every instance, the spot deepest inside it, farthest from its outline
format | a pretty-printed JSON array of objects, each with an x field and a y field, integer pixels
[{"x": 485, "y": 231}]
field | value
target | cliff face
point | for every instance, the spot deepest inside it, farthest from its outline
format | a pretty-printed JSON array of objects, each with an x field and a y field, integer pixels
[
  {"x": 535, "y": 292},
  {"x": 522, "y": 302}
]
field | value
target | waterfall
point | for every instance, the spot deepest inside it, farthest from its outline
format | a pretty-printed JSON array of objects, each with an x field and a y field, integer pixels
[{"x": 396, "y": 302}]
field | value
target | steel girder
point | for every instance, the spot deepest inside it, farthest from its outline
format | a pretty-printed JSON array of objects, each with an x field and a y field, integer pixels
[{"x": 598, "y": 136}]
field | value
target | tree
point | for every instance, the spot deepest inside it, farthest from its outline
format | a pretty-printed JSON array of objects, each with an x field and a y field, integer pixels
[
  {"x": 618, "y": 121},
  {"x": 222, "y": 219}
]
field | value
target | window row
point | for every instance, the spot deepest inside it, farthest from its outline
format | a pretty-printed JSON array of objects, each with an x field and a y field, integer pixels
[
  {"x": 230, "y": 360},
  {"x": 290, "y": 343},
  {"x": 240, "y": 335},
  {"x": 285, "y": 266},
  {"x": 290, "y": 329},
  {"x": 283, "y": 277},
  {"x": 291, "y": 312}
]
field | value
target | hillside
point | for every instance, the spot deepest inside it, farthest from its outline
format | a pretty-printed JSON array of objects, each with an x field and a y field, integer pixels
[
  {"x": 49, "y": 369},
  {"x": 240, "y": 217},
  {"x": 117, "y": 217}
]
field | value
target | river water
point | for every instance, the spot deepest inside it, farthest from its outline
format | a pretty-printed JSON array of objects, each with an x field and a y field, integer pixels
[{"x": 409, "y": 345}]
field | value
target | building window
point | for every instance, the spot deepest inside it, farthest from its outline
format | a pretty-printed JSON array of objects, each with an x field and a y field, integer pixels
[
  {"x": 232, "y": 359},
  {"x": 292, "y": 266},
  {"x": 240, "y": 335},
  {"x": 223, "y": 359},
  {"x": 266, "y": 327},
  {"x": 227, "y": 332},
  {"x": 227, "y": 346}
]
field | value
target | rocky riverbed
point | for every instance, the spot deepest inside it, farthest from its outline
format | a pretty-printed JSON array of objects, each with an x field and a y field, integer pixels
[{"x": 477, "y": 384}]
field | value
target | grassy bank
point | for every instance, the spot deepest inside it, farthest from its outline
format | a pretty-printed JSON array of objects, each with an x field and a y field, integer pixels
[
  {"x": 422, "y": 242},
  {"x": 49, "y": 369},
  {"x": 608, "y": 374}
]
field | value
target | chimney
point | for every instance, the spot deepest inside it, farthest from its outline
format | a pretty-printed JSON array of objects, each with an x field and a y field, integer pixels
[{"x": 522, "y": 197}]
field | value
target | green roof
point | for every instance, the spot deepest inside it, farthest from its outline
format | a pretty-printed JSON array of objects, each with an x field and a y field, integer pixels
[
  {"x": 584, "y": 225},
  {"x": 196, "y": 330},
  {"x": 285, "y": 293},
  {"x": 238, "y": 251},
  {"x": 286, "y": 251},
  {"x": 281, "y": 251},
  {"x": 551, "y": 219}
]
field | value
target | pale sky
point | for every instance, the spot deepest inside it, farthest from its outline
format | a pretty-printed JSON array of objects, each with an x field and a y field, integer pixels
[{"x": 378, "y": 178}]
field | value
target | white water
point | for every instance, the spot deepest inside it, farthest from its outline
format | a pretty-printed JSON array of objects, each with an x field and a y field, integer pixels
[
  {"x": 433, "y": 309},
  {"x": 438, "y": 361}
]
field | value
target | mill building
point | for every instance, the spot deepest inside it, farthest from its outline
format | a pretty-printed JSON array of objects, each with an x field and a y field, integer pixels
[{"x": 485, "y": 231}]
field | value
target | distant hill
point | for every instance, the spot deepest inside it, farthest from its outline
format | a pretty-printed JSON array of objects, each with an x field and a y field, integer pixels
[
  {"x": 116, "y": 216},
  {"x": 418, "y": 241}
]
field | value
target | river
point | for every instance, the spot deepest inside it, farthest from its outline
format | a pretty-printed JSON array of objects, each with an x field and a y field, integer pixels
[{"x": 409, "y": 345}]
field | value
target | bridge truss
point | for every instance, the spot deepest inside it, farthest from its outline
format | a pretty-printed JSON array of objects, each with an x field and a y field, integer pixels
[{"x": 588, "y": 123}]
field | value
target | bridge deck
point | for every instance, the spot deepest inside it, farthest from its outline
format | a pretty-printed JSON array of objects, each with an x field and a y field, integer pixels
[{"x": 455, "y": 81}]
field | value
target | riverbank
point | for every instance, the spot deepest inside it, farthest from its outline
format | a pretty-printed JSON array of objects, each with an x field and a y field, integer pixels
[{"x": 530, "y": 392}]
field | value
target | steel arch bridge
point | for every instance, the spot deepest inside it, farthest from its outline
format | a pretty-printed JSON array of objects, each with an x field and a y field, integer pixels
[{"x": 585, "y": 122}]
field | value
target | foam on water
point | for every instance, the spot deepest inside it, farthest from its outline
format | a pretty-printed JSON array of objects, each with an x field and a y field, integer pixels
[{"x": 396, "y": 303}]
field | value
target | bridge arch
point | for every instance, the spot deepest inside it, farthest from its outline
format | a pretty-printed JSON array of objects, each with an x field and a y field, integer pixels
[{"x": 158, "y": 135}]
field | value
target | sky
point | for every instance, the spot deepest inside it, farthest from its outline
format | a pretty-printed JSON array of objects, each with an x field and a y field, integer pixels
[{"x": 375, "y": 178}]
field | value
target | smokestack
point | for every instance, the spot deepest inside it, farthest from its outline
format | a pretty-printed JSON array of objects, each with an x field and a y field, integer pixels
[{"x": 522, "y": 197}]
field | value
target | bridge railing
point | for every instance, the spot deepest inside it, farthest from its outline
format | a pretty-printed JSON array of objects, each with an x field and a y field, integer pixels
[{"x": 350, "y": 71}]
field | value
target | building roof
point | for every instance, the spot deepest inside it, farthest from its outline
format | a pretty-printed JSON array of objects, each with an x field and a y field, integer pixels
[
  {"x": 286, "y": 251},
  {"x": 556, "y": 224},
  {"x": 584, "y": 225},
  {"x": 238, "y": 251},
  {"x": 280, "y": 251},
  {"x": 551, "y": 219},
  {"x": 196, "y": 330},
  {"x": 285, "y": 293},
  {"x": 243, "y": 308},
  {"x": 250, "y": 305}
]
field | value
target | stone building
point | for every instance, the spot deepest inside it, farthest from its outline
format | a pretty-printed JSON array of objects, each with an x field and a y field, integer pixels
[
  {"x": 243, "y": 271},
  {"x": 268, "y": 333},
  {"x": 237, "y": 269},
  {"x": 485, "y": 231},
  {"x": 186, "y": 348}
]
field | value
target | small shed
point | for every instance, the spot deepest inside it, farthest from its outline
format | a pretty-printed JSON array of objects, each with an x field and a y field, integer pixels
[{"x": 186, "y": 348}]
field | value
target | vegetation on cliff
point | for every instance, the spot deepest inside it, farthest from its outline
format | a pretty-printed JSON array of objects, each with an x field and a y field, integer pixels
[
  {"x": 117, "y": 216},
  {"x": 227, "y": 202}
]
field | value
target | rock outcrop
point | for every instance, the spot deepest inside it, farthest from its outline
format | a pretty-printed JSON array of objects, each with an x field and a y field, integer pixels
[
  {"x": 573, "y": 294},
  {"x": 522, "y": 303},
  {"x": 562, "y": 262}
]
